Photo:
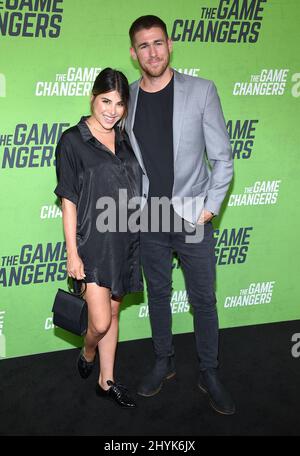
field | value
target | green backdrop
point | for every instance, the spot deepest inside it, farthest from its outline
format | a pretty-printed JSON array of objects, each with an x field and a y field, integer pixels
[{"x": 50, "y": 53}]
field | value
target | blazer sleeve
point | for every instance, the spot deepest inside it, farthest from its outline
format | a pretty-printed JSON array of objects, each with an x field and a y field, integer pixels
[{"x": 218, "y": 149}]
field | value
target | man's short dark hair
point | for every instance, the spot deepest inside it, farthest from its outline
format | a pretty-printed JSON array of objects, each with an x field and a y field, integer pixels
[{"x": 146, "y": 22}]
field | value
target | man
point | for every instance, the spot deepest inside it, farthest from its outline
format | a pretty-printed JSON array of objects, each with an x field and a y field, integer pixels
[{"x": 173, "y": 120}]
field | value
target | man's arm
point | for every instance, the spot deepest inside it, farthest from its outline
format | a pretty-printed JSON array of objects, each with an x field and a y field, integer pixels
[{"x": 218, "y": 149}]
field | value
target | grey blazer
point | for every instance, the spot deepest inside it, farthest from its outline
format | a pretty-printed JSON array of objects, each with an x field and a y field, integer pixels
[{"x": 203, "y": 165}]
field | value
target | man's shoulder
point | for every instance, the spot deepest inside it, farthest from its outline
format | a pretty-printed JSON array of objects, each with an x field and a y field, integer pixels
[
  {"x": 184, "y": 78},
  {"x": 133, "y": 86},
  {"x": 193, "y": 80}
]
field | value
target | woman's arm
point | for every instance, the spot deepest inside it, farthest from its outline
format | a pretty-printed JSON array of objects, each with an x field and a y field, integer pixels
[{"x": 75, "y": 266}]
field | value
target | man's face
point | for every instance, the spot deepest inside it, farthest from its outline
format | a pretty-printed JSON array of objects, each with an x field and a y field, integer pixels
[{"x": 152, "y": 50}]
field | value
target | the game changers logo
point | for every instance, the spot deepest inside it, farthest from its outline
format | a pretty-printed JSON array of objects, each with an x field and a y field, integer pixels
[
  {"x": 31, "y": 18},
  {"x": 232, "y": 245},
  {"x": 230, "y": 21},
  {"x": 261, "y": 193},
  {"x": 255, "y": 293},
  {"x": 50, "y": 212},
  {"x": 242, "y": 136},
  {"x": 190, "y": 71},
  {"x": 30, "y": 146},
  {"x": 269, "y": 82},
  {"x": 179, "y": 304},
  {"x": 76, "y": 82},
  {"x": 38, "y": 263}
]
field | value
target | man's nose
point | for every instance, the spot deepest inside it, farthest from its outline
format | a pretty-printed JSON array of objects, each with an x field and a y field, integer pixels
[{"x": 153, "y": 50}]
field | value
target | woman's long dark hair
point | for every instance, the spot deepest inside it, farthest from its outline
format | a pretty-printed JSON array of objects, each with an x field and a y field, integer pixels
[{"x": 109, "y": 80}]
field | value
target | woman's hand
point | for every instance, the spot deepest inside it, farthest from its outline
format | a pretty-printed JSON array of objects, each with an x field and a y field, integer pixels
[{"x": 75, "y": 266}]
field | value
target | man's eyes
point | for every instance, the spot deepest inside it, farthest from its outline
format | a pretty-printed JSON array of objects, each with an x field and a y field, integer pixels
[{"x": 157, "y": 43}]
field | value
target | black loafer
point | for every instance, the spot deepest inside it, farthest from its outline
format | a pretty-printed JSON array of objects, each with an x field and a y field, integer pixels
[
  {"x": 85, "y": 367},
  {"x": 117, "y": 393}
]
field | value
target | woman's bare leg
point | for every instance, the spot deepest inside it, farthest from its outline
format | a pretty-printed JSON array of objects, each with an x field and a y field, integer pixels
[
  {"x": 99, "y": 316},
  {"x": 107, "y": 347}
]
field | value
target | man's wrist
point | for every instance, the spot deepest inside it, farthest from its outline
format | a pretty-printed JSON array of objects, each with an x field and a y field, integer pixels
[{"x": 212, "y": 213}]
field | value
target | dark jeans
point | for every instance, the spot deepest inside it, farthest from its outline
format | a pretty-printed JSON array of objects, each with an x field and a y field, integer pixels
[{"x": 198, "y": 265}]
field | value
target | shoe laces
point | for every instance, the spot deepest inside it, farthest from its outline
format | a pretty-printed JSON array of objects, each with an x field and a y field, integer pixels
[{"x": 117, "y": 388}]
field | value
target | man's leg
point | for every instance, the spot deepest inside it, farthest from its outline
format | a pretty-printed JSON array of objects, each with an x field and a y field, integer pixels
[
  {"x": 198, "y": 264},
  {"x": 156, "y": 257}
]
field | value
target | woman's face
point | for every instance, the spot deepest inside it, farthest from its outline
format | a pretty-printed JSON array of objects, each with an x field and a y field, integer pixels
[{"x": 107, "y": 108}]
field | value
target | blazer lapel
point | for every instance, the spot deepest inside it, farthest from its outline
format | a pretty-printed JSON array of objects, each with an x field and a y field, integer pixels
[
  {"x": 178, "y": 113},
  {"x": 130, "y": 122},
  {"x": 178, "y": 110}
]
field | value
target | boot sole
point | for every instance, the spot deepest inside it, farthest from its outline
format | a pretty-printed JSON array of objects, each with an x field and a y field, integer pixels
[
  {"x": 153, "y": 393},
  {"x": 119, "y": 406},
  {"x": 212, "y": 404}
]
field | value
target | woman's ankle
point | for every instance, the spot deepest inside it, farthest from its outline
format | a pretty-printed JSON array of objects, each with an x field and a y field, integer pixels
[
  {"x": 103, "y": 382},
  {"x": 89, "y": 355}
]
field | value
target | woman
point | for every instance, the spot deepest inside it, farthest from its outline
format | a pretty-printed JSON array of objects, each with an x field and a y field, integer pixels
[{"x": 94, "y": 160}]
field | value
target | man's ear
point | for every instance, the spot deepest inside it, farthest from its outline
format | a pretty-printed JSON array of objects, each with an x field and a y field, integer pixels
[
  {"x": 170, "y": 45},
  {"x": 133, "y": 53}
]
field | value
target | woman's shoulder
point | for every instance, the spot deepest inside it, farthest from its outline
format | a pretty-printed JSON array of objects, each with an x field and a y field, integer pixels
[
  {"x": 69, "y": 144},
  {"x": 69, "y": 135}
]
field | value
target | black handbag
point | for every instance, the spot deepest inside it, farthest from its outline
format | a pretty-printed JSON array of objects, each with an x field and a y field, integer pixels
[{"x": 70, "y": 310}]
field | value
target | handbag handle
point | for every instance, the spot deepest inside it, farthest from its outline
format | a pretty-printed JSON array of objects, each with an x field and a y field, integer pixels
[{"x": 76, "y": 286}]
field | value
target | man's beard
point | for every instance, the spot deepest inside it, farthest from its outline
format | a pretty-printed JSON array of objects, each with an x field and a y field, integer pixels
[{"x": 156, "y": 72}]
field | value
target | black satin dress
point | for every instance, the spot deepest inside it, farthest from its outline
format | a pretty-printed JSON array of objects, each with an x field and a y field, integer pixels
[{"x": 86, "y": 171}]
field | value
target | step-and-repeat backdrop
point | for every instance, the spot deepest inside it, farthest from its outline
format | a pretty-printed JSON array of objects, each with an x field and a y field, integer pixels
[{"x": 50, "y": 53}]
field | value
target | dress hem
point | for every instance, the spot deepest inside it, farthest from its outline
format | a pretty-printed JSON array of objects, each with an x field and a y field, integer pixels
[{"x": 116, "y": 292}]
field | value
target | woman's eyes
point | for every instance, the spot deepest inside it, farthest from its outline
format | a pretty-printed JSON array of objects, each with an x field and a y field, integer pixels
[{"x": 120, "y": 103}]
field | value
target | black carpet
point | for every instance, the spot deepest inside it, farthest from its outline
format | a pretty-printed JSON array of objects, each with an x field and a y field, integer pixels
[{"x": 44, "y": 395}]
